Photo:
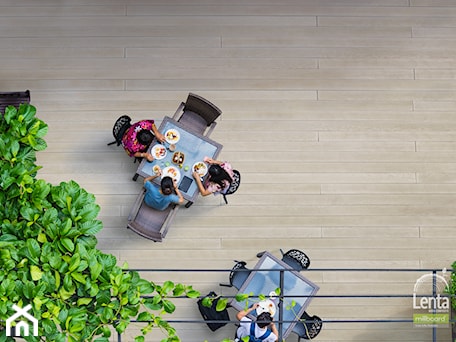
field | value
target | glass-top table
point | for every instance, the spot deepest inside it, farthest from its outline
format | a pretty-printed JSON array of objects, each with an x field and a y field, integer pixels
[
  {"x": 269, "y": 274},
  {"x": 194, "y": 147}
]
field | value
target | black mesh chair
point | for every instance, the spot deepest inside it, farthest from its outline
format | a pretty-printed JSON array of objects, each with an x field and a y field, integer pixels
[
  {"x": 297, "y": 259},
  {"x": 13, "y": 98},
  {"x": 119, "y": 129},
  {"x": 233, "y": 186},
  {"x": 198, "y": 114},
  {"x": 238, "y": 275},
  {"x": 308, "y": 327}
]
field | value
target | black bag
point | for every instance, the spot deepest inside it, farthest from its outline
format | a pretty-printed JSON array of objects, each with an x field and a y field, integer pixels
[{"x": 211, "y": 314}]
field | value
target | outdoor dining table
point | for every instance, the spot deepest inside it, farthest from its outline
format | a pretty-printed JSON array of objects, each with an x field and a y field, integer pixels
[
  {"x": 269, "y": 274},
  {"x": 193, "y": 146}
]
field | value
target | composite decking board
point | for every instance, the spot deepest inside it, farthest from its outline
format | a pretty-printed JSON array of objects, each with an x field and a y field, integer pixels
[{"x": 339, "y": 115}]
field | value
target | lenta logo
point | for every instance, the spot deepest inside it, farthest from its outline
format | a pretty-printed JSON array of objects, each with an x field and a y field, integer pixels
[{"x": 432, "y": 309}]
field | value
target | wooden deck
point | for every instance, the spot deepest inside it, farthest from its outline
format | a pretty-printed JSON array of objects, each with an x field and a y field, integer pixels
[{"x": 340, "y": 115}]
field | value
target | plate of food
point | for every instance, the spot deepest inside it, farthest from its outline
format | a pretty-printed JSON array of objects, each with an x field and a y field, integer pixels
[
  {"x": 156, "y": 169},
  {"x": 266, "y": 306},
  {"x": 200, "y": 168},
  {"x": 173, "y": 172},
  {"x": 172, "y": 136},
  {"x": 159, "y": 151},
  {"x": 178, "y": 158}
]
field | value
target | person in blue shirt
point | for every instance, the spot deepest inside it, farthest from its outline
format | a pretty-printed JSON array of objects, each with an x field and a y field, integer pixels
[{"x": 161, "y": 197}]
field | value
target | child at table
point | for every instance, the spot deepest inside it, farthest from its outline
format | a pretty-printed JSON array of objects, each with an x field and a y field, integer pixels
[{"x": 219, "y": 180}]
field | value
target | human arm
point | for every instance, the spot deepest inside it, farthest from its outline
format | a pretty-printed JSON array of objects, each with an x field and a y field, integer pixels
[
  {"x": 212, "y": 161},
  {"x": 151, "y": 178},
  {"x": 244, "y": 313},
  {"x": 203, "y": 191},
  {"x": 146, "y": 155},
  {"x": 274, "y": 330},
  {"x": 160, "y": 137},
  {"x": 178, "y": 193}
]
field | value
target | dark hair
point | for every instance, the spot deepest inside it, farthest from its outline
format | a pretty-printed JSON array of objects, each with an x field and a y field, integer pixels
[
  {"x": 264, "y": 319},
  {"x": 144, "y": 137},
  {"x": 167, "y": 185},
  {"x": 218, "y": 175}
]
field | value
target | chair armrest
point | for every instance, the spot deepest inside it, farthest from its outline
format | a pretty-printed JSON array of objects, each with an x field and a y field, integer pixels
[
  {"x": 138, "y": 202},
  {"x": 179, "y": 111},
  {"x": 169, "y": 219},
  {"x": 211, "y": 128}
]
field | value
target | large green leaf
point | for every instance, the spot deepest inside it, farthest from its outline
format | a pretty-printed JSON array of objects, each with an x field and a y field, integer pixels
[{"x": 49, "y": 255}]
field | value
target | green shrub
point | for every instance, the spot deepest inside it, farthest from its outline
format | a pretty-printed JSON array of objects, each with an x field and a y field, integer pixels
[{"x": 48, "y": 254}]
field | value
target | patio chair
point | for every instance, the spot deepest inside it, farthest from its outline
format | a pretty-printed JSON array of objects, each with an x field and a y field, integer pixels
[
  {"x": 120, "y": 127},
  {"x": 308, "y": 327},
  {"x": 198, "y": 114},
  {"x": 13, "y": 98},
  {"x": 297, "y": 259},
  {"x": 238, "y": 275},
  {"x": 233, "y": 186},
  {"x": 148, "y": 222}
]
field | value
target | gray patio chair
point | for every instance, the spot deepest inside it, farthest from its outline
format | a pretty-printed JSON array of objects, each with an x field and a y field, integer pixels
[
  {"x": 13, "y": 98},
  {"x": 148, "y": 222},
  {"x": 198, "y": 114}
]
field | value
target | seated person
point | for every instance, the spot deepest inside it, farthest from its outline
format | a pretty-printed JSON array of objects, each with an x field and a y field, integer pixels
[
  {"x": 138, "y": 137},
  {"x": 161, "y": 198},
  {"x": 219, "y": 180},
  {"x": 262, "y": 329}
]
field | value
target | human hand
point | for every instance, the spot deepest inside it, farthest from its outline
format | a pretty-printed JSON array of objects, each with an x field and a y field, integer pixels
[
  {"x": 160, "y": 137},
  {"x": 149, "y": 157},
  {"x": 255, "y": 305},
  {"x": 195, "y": 175}
]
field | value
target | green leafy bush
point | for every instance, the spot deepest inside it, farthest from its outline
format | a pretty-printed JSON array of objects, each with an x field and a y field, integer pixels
[{"x": 48, "y": 254}]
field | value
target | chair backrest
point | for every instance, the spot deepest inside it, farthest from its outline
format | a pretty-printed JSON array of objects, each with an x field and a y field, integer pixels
[
  {"x": 197, "y": 114},
  {"x": 308, "y": 327},
  {"x": 234, "y": 185},
  {"x": 239, "y": 274},
  {"x": 148, "y": 222},
  {"x": 120, "y": 127},
  {"x": 204, "y": 108},
  {"x": 13, "y": 98},
  {"x": 297, "y": 259}
]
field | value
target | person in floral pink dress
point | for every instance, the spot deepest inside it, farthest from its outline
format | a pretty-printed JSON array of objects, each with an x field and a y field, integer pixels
[{"x": 138, "y": 137}]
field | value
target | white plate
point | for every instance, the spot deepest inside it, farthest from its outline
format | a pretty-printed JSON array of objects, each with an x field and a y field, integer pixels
[
  {"x": 173, "y": 172},
  {"x": 266, "y": 306},
  {"x": 159, "y": 151},
  {"x": 172, "y": 136},
  {"x": 201, "y": 168},
  {"x": 156, "y": 169}
]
